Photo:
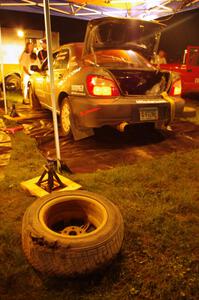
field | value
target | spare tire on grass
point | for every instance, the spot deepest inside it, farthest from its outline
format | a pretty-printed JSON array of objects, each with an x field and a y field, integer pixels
[{"x": 71, "y": 233}]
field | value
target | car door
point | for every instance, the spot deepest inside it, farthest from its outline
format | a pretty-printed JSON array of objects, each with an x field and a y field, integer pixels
[
  {"x": 191, "y": 78},
  {"x": 39, "y": 81},
  {"x": 59, "y": 68}
]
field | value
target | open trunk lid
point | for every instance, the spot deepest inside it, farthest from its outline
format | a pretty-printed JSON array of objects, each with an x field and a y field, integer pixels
[{"x": 122, "y": 33}]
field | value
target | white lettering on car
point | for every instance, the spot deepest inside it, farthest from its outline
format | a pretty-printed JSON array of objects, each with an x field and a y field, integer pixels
[{"x": 150, "y": 101}]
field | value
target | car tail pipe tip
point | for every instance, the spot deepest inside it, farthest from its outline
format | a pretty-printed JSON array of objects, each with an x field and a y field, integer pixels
[{"x": 121, "y": 127}]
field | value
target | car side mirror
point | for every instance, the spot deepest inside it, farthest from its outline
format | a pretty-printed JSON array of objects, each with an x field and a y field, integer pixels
[{"x": 34, "y": 68}]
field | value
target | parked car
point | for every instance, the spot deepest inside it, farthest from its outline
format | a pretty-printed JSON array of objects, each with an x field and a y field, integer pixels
[
  {"x": 188, "y": 69},
  {"x": 107, "y": 80}
]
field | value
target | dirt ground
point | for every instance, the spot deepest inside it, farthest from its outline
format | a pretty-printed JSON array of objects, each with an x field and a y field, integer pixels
[{"x": 109, "y": 148}]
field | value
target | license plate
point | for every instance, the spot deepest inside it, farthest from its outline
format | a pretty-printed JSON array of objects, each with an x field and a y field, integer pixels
[{"x": 148, "y": 114}]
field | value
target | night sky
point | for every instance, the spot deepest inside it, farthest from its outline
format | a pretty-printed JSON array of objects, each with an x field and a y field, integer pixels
[
  {"x": 181, "y": 30},
  {"x": 71, "y": 30}
]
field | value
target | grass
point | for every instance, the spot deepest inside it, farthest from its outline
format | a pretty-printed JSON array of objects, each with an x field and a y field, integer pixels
[
  {"x": 160, "y": 254},
  {"x": 160, "y": 205}
]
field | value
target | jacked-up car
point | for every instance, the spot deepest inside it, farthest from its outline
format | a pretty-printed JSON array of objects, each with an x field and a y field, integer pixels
[{"x": 107, "y": 80}]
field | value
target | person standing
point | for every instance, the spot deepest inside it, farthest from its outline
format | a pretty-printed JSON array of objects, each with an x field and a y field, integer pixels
[
  {"x": 25, "y": 61},
  {"x": 160, "y": 58},
  {"x": 42, "y": 54}
]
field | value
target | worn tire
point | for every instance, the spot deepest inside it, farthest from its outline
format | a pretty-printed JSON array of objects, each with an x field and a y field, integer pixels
[
  {"x": 65, "y": 118},
  {"x": 33, "y": 100},
  {"x": 70, "y": 254}
]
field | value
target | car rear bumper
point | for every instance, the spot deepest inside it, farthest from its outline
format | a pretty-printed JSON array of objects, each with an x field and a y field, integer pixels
[{"x": 92, "y": 113}]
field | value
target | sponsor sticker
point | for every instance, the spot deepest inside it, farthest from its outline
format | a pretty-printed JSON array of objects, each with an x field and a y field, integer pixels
[{"x": 77, "y": 89}]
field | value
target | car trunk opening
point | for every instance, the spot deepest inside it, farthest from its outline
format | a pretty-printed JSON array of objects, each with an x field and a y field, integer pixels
[{"x": 141, "y": 82}]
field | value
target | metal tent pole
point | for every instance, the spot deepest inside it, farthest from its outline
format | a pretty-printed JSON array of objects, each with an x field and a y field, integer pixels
[
  {"x": 2, "y": 73},
  {"x": 51, "y": 77}
]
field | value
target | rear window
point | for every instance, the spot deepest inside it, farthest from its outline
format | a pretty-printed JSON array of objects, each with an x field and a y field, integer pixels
[
  {"x": 194, "y": 57},
  {"x": 120, "y": 58},
  {"x": 61, "y": 59}
]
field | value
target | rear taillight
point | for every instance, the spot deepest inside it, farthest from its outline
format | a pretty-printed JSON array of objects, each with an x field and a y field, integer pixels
[
  {"x": 176, "y": 88},
  {"x": 101, "y": 86}
]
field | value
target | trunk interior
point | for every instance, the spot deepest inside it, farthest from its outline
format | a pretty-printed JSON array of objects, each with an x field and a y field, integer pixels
[{"x": 141, "y": 82}]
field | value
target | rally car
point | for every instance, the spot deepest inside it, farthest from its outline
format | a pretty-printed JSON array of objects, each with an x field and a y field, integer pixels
[{"x": 108, "y": 80}]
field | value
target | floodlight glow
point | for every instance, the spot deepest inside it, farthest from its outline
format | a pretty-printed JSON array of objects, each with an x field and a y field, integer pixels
[
  {"x": 123, "y": 1},
  {"x": 152, "y": 3},
  {"x": 20, "y": 33},
  {"x": 11, "y": 53},
  {"x": 150, "y": 17}
]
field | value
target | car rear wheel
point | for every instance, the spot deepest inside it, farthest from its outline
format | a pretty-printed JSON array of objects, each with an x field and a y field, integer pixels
[
  {"x": 71, "y": 233},
  {"x": 65, "y": 121}
]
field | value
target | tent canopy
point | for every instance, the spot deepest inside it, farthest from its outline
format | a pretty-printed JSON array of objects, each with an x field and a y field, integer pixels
[{"x": 89, "y": 9}]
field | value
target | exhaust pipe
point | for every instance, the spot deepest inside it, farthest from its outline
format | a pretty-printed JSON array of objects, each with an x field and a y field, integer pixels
[{"x": 121, "y": 126}]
